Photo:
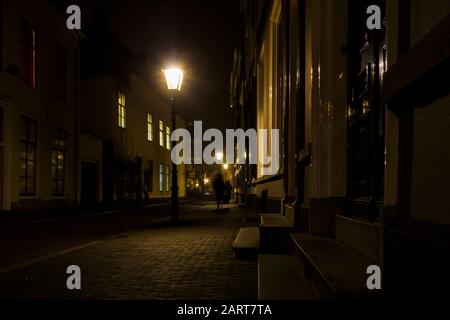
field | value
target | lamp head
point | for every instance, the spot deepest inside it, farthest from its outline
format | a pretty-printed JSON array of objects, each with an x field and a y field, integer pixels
[{"x": 174, "y": 78}]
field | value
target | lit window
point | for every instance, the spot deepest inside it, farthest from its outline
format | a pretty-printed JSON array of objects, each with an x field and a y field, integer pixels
[
  {"x": 149, "y": 127},
  {"x": 28, "y": 146},
  {"x": 122, "y": 111},
  {"x": 28, "y": 54},
  {"x": 59, "y": 141},
  {"x": 168, "y": 138},
  {"x": 167, "y": 178},
  {"x": 161, "y": 133},
  {"x": 161, "y": 177}
]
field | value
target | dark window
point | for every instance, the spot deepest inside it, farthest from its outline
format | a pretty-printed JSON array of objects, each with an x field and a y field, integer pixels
[
  {"x": 28, "y": 54},
  {"x": 148, "y": 177},
  {"x": 59, "y": 141},
  {"x": 61, "y": 80},
  {"x": 28, "y": 146}
]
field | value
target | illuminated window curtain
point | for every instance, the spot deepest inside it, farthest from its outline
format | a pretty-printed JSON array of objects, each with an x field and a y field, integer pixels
[
  {"x": 161, "y": 177},
  {"x": 168, "y": 138},
  {"x": 122, "y": 111},
  {"x": 149, "y": 127},
  {"x": 161, "y": 133},
  {"x": 167, "y": 178}
]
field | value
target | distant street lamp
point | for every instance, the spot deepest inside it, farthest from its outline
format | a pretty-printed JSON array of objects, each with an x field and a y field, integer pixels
[
  {"x": 219, "y": 158},
  {"x": 225, "y": 168},
  {"x": 174, "y": 79}
]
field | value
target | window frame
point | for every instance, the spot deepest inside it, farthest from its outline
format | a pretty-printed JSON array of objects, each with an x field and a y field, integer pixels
[
  {"x": 28, "y": 142},
  {"x": 59, "y": 148}
]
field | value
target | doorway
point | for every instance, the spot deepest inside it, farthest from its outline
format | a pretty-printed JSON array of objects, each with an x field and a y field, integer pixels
[{"x": 89, "y": 183}]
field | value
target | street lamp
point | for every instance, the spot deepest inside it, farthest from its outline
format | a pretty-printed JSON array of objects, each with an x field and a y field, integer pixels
[
  {"x": 174, "y": 79},
  {"x": 219, "y": 158}
]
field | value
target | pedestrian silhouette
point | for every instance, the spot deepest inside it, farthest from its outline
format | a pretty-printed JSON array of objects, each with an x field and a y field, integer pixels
[
  {"x": 228, "y": 190},
  {"x": 219, "y": 188}
]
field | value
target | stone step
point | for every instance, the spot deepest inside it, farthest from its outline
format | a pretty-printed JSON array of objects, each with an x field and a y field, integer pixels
[
  {"x": 247, "y": 243},
  {"x": 274, "y": 232},
  {"x": 280, "y": 277},
  {"x": 274, "y": 220},
  {"x": 333, "y": 269}
]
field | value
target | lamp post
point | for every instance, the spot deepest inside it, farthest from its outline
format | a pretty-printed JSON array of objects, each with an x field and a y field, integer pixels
[
  {"x": 174, "y": 79},
  {"x": 225, "y": 168}
]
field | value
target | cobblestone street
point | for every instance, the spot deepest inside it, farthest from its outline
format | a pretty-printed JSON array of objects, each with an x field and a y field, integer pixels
[{"x": 192, "y": 260}]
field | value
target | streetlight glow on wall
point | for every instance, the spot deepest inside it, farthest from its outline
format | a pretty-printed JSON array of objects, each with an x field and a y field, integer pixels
[{"x": 174, "y": 79}]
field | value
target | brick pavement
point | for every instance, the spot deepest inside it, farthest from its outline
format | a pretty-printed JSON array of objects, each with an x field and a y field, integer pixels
[{"x": 193, "y": 260}]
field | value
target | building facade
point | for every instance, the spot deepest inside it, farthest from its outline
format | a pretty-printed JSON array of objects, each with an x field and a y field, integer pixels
[
  {"x": 364, "y": 121},
  {"x": 38, "y": 101},
  {"x": 78, "y": 125},
  {"x": 125, "y": 127}
]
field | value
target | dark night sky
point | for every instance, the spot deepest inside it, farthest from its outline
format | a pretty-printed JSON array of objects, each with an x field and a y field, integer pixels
[{"x": 197, "y": 34}]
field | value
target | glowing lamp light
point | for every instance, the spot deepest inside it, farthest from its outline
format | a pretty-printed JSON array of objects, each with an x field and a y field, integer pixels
[
  {"x": 174, "y": 78},
  {"x": 219, "y": 156},
  {"x": 225, "y": 166}
]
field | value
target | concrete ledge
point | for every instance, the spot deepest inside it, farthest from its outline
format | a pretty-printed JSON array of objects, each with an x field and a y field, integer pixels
[
  {"x": 274, "y": 220},
  {"x": 334, "y": 269},
  {"x": 361, "y": 236},
  {"x": 247, "y": 243},
  {"x": 280, "y": 278}
]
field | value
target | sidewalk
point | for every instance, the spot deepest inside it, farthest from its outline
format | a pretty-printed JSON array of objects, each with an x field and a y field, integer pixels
[
  {"x": 192, "y": 260},
  {"x": 12, "y": 218}
]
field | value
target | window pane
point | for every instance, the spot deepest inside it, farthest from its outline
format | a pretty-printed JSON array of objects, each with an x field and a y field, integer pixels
[
  {"x": 30, "y": 186},
  {"x": 31, "y": 152},
  {"x": 23, "y": 129},
  {"x": 22, "y": 185},
  {"x": 23, "y": 151},
  {"x": 23, "y": 168},
  {"x": 32, "y": 131},
  {"x": 30, "y": 169},
  {"x": 60, "y": 187},
  {"x": 54, "y": 190}
]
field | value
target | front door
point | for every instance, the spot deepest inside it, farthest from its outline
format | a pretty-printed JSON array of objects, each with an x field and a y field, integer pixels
[
  {"x": 89, "y": 177},
  {"x": 365, "y": 114}
]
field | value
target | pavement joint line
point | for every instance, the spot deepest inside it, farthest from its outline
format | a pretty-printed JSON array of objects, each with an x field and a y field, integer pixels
[{"x": 80, "y": 247}]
